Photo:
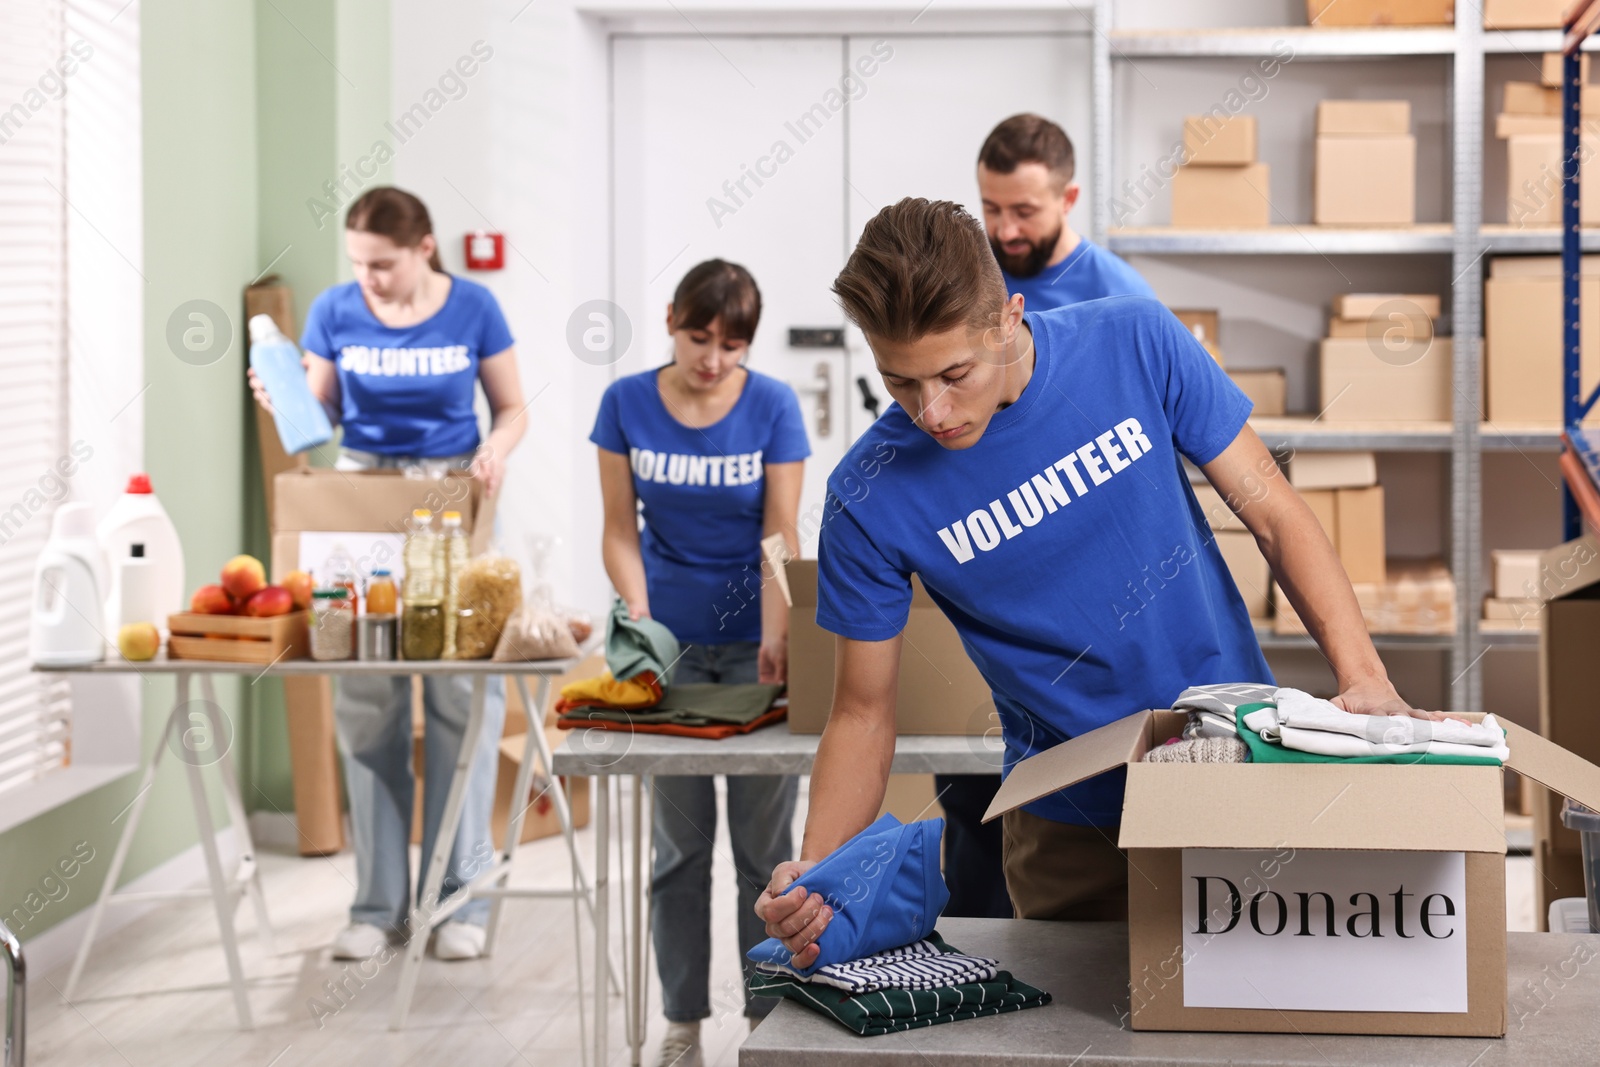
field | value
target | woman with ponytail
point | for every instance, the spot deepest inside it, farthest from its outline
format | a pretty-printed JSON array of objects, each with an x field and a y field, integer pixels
[{"x": 396, "y": 357}]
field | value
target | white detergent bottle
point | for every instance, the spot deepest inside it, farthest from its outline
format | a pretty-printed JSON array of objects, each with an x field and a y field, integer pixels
[
  {"x": 65, "y": 622},
  {"x": 137, "y": 518}
]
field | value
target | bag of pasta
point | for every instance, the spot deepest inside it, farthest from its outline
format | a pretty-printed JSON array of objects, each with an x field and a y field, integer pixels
[
  {"x": 488, "y": 593},
  {"x": 534, "y": 633}
]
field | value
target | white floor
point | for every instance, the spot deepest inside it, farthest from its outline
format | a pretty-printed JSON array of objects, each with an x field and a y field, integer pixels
[{"x": 156, "y": 993}]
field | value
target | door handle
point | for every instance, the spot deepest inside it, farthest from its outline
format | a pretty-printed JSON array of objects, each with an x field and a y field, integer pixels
[
  {"x": 869, "y": 400},
  {"x": 820, "y": 386}
]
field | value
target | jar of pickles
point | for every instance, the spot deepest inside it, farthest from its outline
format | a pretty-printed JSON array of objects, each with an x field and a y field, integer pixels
[
  {"x": 332, "y": 629},
  {"x": 422, "y": 630}
]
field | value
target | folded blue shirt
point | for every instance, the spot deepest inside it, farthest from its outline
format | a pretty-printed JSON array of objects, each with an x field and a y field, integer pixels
[{"x": 885, "y": 888}]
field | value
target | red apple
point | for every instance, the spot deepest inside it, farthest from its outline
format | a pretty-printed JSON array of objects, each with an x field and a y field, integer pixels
[
  {"x": 299, "y": 585},
  {"x": 273, "y": 600},
  {"x": 211, "y": 600},
  {"x": 243, "y": 577}
]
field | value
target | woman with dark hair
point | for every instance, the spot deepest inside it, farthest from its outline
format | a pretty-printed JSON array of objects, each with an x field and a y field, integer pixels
[
  {"x": 396, "y": 357},
  {"x": 700, "y": 460}
]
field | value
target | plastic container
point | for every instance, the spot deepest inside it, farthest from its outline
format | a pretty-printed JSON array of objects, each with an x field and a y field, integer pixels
[
  {"x": 423, "y": 553},
  {"x": 1587, "y": 823},
  {"x": 136, "y": 589},
  {"x": 382, "y": 599},
  {"x": 137, "y": 518},
  {"x": 457, "y": 553},
  {"x": 333, "y": 625},
  {"x": 339, "y": 572},
  {"x": 63, "y": 630},
  {"x": 301, "y": 420}
]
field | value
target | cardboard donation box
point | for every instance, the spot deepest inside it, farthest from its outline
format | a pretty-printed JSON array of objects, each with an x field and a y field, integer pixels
[
  {"x": 1290, "y": 898},
  {"x": 941, "y": 692}
]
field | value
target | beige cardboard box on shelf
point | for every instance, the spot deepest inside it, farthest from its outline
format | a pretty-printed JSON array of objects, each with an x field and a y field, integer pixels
[
  {"x": 1533, "y": 180},
  {"x": 1522, "y": 324},
  {"x": 1507, "y": 126},
  {"x": 1210, "y": 140},
  {"x": 1364, "y": 307},
  {"x": 1206, "y": 325},
  {"x": 1396, "y": 325},
  {"x": 940, "y": 691},
  {"x": 1516, "y": 571},
  {"x": 1222, "y": 198},
  {"x": 1550, "y": 67},
  {"x": 1219, "y": 516},
  {"x": 1524, "y": 610},
  {"x": 1569, "y": 584},
  {"x": 1363, "y": 118},
  {"x": 1417, "y": 597},
  {"x": 1380, "y": 12},
  {"x": 1359, "y": 385},
  {"x": 1333, "y": 470},
  {"x": 1267, "y": 389},
  {"x": 1353, "y": 520},
  {"x": 1249, "y": 570},
  {"x": 1289, "y": 899},
  {"x": 1524, "y": 14},
  {"x": 1365, "y": 181}
]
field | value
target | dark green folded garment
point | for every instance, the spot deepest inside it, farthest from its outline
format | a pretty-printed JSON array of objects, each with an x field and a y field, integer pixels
[
  {"x": 694, "y": 704},
  {"x": 1266, "y": 752},
  {"x": 892, "y": 1010}
]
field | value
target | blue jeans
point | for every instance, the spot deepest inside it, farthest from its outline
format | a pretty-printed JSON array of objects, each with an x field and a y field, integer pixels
[
  {"x": 372, "y": 715},
  {"x": 760, "y": 814}
]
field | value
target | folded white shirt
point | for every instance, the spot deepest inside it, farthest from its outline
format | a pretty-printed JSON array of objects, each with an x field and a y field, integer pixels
[
  {"x": 1269, "y": 723},
  {"x": 1306, "y": 712}
]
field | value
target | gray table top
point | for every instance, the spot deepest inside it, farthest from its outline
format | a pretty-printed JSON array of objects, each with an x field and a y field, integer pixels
[
  {"x": 769, "y": 750},
  {"x": 1084, "y": 966},
  {"x": 162, "y": 664}
]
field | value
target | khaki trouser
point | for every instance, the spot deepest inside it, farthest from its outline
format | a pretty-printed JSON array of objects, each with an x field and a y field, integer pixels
[{"x": 1059, "y": 871}]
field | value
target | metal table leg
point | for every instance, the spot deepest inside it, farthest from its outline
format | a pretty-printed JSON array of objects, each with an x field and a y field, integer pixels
[
  {"x": 602, "y": 910},
  {"x": 249, "y": 871},
  {"x": 427, "y": 911},
  {"x": 16, "y": 1046}
]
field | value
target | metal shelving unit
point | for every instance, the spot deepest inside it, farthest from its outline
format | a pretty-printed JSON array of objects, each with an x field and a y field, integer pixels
[{"x": 1465, "y": 240}]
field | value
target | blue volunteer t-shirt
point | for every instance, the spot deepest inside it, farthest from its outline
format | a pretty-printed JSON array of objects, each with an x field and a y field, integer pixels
[
  {"x": 701, "y": 494},
  {"x": 1089, "y": 273},
  {"x": 1064, "y": 545},
  {"x": 408, "y": 390}
]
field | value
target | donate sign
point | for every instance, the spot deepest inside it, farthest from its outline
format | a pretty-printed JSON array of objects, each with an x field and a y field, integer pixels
[{"x": 1325, "y": 930}]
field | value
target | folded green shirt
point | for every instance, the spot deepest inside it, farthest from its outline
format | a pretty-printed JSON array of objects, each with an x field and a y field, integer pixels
[
  {"x": 890, "y": 1010},
  {"x": 1266, "y": 752}
]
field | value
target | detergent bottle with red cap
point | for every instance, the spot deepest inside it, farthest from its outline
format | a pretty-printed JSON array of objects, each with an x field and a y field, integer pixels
[{"x": 137, "y": 518}]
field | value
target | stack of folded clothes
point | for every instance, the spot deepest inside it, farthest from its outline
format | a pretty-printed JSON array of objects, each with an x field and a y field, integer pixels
[
  {"x": 635, "y": 695},
  {"x": 881, "y": 966},
  {"x": 1295, "y": 727}
]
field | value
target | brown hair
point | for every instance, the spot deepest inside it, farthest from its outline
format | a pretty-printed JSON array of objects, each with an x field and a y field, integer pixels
[
  {"x": 1028, "y": 138},
  {"x": 718, "y": 289},
  {"x": 921, "y": 267},
  {"x": 395, "y": 214}
]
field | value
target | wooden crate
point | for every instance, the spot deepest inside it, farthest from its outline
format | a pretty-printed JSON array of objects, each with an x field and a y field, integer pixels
[{"x": 237, "y": 638}]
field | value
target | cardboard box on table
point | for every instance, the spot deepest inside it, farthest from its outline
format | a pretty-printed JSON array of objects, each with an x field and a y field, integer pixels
[
  {"x": 1439, "y": 968},
  {"x": 940, "y": 691},
  {"x": 1569, "y": 584}
]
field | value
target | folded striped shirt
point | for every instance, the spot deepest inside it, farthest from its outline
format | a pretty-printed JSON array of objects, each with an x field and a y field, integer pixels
[{"x": 929, "y": 964}]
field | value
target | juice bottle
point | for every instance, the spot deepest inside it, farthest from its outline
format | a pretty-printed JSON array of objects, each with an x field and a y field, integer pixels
[{"x": 381, "y": 598}]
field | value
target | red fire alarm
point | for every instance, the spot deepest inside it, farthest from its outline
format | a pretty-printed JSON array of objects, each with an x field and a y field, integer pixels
[{"x": 485, "y": 251}]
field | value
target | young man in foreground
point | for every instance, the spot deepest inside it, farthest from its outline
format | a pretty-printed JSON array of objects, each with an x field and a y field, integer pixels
[{"x": 1035, "y": 489}]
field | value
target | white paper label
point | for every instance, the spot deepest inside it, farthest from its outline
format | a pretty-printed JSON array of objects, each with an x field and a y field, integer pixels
[
  {"x": 1317, "y": 930},
  {"x": 368, "y": 550}
]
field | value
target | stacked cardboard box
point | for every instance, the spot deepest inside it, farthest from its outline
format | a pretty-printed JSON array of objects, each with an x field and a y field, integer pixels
[
  {"x": 1530, "y": 124},
  {"x": 1418, "y": 597},
  {"x": 1267, "y": 388},
  {"x": 1524, "y": 14},
  {"x": 1522, "y": 332},
  {"x": 1366, "y": 172},
  {"x": 1515, "y": 596},
  {"x": 1206, "y": 326},
  {"x": 1243, "y": 557},
  {"x": 1221, "y": 185},
  {"x": 1381, "y": 12},
  {"x": 1343, "y": 492},
  {"x": 1381, "y": 361}
]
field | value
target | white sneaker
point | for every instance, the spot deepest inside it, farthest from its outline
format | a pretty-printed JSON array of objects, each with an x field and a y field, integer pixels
[
  {"x": 681, "y": 1046},
  {"x": 360, "y": 941},
  {"x": 459, "y": 941}
]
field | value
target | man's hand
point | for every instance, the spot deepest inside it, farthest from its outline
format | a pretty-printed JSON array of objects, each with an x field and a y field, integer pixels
[
  {"x": 794, "y": 916},
  {"x": 1380, "y": 698}
]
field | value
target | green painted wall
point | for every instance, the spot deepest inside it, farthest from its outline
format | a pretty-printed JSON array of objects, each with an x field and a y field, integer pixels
[{"x": 322, "y": 96}]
